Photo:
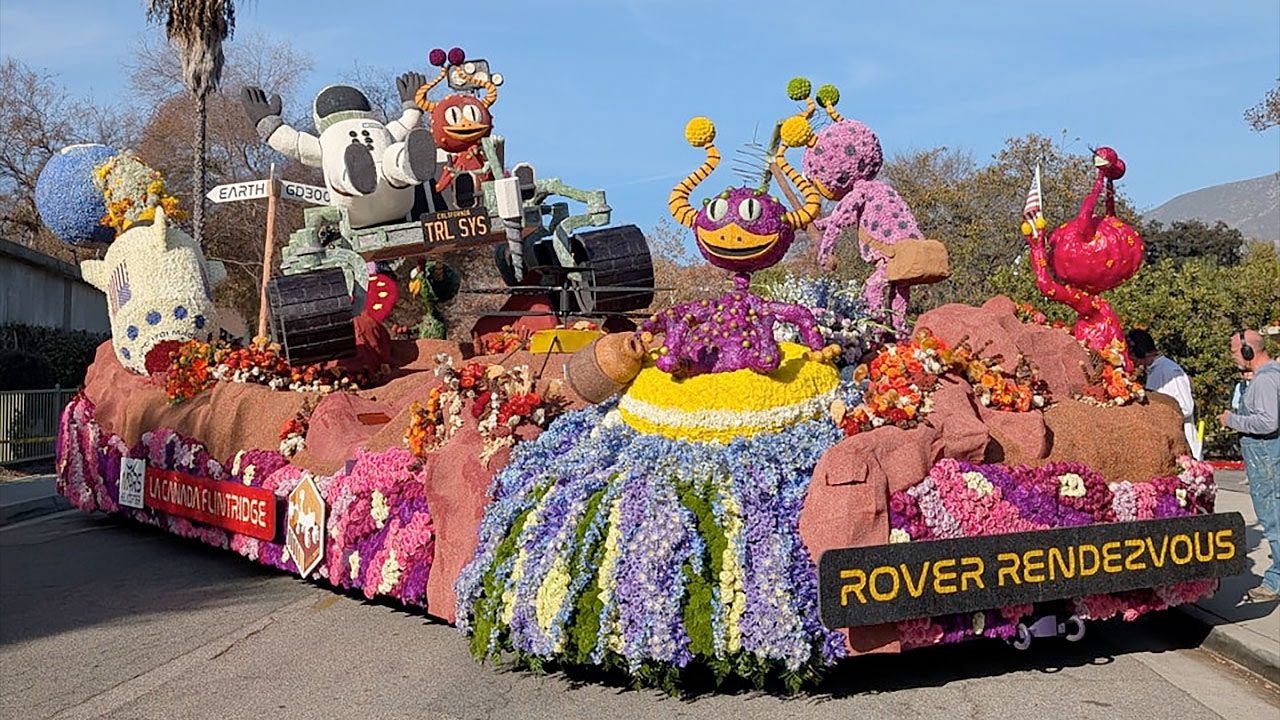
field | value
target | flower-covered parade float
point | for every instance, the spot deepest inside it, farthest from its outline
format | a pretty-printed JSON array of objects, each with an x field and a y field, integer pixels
[{"x": 754, "y": 485}]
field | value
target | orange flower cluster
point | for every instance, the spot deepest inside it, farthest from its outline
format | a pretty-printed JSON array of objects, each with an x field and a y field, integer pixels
[
  {"x": 902, "y": 377},
  {"x": 501, "y": 401},
  {"x": 992, "y": 385},
  {"x": 197, "y": 365},
  {"x": 504, "y": 341},
  {"x": 1110, "y": 385},
  {"x": 1029, "y": 314},
  {"x": 191, "y": 369},
  {"x": 293, "y": 435}
]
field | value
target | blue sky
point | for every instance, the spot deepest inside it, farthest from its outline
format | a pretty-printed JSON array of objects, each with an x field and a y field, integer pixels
[{"x": 598, "y": 92}]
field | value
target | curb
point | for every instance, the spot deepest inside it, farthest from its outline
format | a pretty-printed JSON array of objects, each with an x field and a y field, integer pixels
[
  {"x": 31, "y": 508},
  {"x": 1221, "y": 641}
]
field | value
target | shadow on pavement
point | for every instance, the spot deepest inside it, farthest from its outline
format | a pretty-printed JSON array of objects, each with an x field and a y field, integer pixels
[{"x": 77, "y": 570}]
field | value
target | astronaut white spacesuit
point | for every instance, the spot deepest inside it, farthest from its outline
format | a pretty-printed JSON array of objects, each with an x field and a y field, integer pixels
[{"x": 370, "y": 168}]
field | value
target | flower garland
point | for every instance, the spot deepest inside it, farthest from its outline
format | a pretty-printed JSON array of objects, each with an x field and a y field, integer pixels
[
  {"x": 901, "y": 378},
  {"x": 197, "y": 366},
  {"x": 502, "y": 401},
  {"x": 960, "y": 499},
  {"x": 606, "y": 546}
]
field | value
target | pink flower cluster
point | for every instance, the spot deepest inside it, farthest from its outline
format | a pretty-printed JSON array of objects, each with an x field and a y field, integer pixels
[
  {"x": 1135, "y": 603},
  {"x": 381, "y": 537},
  {"x": 959, "y": 499},
  {"x": 376, "y": 512},
  {"x": 975, "y": 502}
]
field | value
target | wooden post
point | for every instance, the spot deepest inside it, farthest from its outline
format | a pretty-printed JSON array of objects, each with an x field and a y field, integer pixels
[{"x": 268, "y": 250}]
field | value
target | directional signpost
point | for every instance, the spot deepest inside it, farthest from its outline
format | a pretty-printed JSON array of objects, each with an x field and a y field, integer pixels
[{"x": 270, "y": 189}]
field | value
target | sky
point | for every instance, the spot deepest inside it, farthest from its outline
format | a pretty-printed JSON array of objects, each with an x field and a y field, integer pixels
[{"x": 597, "y": 92}]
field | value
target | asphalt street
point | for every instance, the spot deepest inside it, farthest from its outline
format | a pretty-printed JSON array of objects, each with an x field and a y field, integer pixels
[{"x": 103, "y": 618}]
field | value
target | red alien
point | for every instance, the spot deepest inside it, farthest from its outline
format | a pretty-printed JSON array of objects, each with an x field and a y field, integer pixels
[
  {"x": 459, "y": 121},
  {"x": 1088, "y": 255}
]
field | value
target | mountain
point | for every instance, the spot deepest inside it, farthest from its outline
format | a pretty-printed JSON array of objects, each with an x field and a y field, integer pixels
[{"x": 1250, "y": 206}]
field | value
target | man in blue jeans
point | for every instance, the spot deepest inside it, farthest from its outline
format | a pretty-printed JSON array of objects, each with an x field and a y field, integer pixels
[{"x": 1258, "y": 422}]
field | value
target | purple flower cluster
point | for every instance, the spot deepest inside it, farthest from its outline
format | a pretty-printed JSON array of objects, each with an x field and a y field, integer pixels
[{"x": 634, "y": 519}]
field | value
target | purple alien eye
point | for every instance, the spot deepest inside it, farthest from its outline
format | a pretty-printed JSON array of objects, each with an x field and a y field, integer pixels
[{"x": 717, "y": 209}]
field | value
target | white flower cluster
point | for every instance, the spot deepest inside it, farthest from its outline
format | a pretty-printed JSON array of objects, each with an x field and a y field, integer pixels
[
  {"x": 1071, "y": 485},
  {"x": 837, "y": 307}
]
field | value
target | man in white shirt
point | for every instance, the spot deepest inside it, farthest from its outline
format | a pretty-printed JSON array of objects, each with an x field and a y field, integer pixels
[{"x": 1168, "y": 377}]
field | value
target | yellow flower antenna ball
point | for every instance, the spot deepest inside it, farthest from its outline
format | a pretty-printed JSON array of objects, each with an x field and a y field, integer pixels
[
  {"x": 700, "y": 132},
  {"x": 796, "y": 132}
]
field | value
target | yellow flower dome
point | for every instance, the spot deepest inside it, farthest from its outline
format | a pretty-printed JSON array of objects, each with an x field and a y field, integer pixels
[{"x": 718, "y": 407}]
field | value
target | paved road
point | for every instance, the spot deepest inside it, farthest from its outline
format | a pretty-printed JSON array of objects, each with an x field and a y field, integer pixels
[{"x": 101, "y": 618}]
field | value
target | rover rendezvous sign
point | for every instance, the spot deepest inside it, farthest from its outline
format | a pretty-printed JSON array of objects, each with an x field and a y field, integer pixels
[{"x": 887, "y": 583}]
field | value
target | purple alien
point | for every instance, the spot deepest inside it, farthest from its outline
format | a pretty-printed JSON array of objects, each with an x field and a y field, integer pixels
[{"x": 740, "y": 230}]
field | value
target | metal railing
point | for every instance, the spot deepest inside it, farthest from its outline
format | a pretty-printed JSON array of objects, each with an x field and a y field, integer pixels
[{"x": 29, "y": 423}]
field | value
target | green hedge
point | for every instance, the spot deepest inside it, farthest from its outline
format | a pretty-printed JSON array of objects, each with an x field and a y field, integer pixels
[{"x": 34, "y": 357}]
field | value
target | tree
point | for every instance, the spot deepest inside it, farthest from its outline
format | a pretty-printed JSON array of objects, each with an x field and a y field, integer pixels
[
  {"x": 234, "y": 152},
  {"x": 198, "y": 28},
  {"x": 1267, "y": 112},
  {"x": 976, "y": 210},
  {"x": 38, "y": 118},
  {"x": 1191, "y": 238}
]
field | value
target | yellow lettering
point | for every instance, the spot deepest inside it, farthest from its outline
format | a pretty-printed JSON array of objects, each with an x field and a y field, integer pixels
[
  {"x": 1087, "y": 571},
  {"x": 1207, "y": 555},
  {"x": 1068, "y": 570},
  {"x": 1223, "y": 540},
  {"x": 1173, "y": 549},
  {"x": 859, "y": 582},
  {"x": 1011, "y": 570},
  {"x": 1111, "y": 557},
  {"x": 1030, "y": 566},
  {"x": 915, "y": 590},
  {"x": 1157, "y": 559},
  {"x": 1129, "y": 562},
  {"x": 940, "y": 576},
  {"x": 875, "y": 590},
  {"x": 975, "y": 573}
]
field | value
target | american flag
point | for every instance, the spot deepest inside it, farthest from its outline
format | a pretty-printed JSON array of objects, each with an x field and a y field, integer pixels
[
  {"x": 1033, "y": 208},
  {"x": 118, "y": 292}
]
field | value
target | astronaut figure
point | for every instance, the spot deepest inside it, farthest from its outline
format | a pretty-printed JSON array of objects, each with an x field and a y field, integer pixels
[{"x": 369, "y": 168}]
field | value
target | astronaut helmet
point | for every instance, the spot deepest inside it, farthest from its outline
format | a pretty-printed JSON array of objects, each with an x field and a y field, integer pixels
[{"x": 336, "y": 103}]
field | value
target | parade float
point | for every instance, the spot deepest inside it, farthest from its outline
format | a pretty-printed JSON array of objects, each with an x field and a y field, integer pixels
[{"x": 751, "y": 485}]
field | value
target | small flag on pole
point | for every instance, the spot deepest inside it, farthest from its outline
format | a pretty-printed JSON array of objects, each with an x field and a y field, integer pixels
[{"x": 1034, "y": 209}]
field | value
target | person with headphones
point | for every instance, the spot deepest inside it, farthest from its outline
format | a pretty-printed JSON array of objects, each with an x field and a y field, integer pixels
[{"x": 1258, "y": 422}]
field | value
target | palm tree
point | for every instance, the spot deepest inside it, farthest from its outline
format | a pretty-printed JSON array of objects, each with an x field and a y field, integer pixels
[{"x": 198, "y": 28}]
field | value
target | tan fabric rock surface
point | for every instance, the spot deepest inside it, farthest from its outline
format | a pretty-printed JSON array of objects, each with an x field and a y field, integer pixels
[{"x": 1055, "y": 352}]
